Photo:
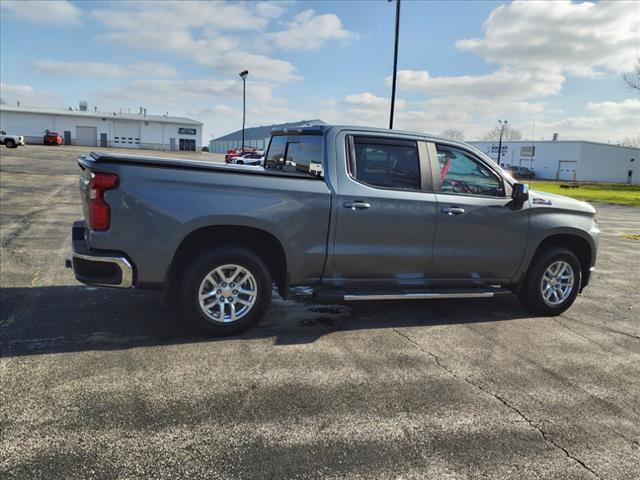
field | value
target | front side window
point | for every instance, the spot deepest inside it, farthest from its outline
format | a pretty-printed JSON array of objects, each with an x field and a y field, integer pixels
[
  {"x": 386, "y": 163},
  {"x": 461, "y": 173},
  {"x": 295, "y": 154}
]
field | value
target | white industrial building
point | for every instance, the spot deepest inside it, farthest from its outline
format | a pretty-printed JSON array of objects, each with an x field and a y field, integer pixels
[
  {"x": 573, "y": 160},
  {"x": 103, "y": 129}
]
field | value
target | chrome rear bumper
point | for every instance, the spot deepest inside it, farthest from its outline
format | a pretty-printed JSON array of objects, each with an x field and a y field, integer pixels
[{"x": 103, "y": 269}]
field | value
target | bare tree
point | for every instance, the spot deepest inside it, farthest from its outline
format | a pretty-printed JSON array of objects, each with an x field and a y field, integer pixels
[
  {"x": 632, "y": 79},
  {"x": 631, "y": 142},
  {"x": 493, "y": 135},
  {"x": 453, "y": 134}
]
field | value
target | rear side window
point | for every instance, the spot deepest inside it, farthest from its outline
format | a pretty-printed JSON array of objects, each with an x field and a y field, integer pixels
[
  {"x": 386, "y": 163},
  {"x": 295, "y": 154}
]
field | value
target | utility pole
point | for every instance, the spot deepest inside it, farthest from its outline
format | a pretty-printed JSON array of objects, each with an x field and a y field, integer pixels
[
  {"x": 243, "y": 76},
  {"x": 395, "y": 65},
  {"x": 503, "y": 125}
]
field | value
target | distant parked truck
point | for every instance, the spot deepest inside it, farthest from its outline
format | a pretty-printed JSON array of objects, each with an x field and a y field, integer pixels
[
  {"x": 520, "y": 172},
  {"x": 11, "y": 141},
  {"x": 52, "y": 138}
]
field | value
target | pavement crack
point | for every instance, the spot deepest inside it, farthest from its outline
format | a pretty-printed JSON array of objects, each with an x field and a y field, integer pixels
[
  {"x": 578, "y": 333},
  {"x": 502, "y": 400},
  {"x": 612, "y": 330},
  {"x": 630, "y": 440}
]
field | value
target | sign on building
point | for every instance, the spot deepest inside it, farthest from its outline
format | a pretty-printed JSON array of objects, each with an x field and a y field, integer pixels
[
  {"x": 528, "y": 151},
  {"x": 494, "y": 149},
  {"x": 186, "y": 131}
]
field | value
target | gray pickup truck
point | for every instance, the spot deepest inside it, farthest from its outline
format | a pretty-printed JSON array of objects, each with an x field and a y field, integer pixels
[{"x": 356, "y": 213}]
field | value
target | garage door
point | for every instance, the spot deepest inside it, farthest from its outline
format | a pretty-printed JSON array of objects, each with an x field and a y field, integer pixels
[
  {"x": 126, "y": 134},
  {"x": 567, "y": 170},
  {"x": 86, "y": 136}
]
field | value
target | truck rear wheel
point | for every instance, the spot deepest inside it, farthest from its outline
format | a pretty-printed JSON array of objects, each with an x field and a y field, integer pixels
[
  {"x": 226, "y": 291},
  {"x": 553, "y": 282},
  {"x": 9, "y": 143}
]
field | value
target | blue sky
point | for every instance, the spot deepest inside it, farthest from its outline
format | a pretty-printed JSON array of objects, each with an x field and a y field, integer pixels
[{"x": 462, "y": 65}]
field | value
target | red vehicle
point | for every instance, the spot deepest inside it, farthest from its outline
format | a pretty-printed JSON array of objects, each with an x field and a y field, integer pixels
[
  {"x": 236, "y": 152},
  {"x": 52, "y": 138}
]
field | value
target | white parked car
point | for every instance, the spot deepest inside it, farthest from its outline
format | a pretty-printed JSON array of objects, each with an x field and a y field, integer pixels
[
  {"x": 11, "y": 141},
  {"x": 248, "y": 159}
]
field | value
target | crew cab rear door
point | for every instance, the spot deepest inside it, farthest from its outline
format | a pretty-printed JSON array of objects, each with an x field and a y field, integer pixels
[
  {"x": 479, "y": 238},
  {"x": 384, "y": 213}
]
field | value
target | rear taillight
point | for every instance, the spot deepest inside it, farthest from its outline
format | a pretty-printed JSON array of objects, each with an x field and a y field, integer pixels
[{"x": 99, "y": 211}]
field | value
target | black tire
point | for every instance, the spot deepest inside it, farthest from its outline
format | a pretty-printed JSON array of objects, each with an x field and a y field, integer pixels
[
  {"x": 239, "y": 162},
  {"x": 531, "y": 292},
  {"x": 10, "y": 143},
  {"x": 201, "y": 265}
]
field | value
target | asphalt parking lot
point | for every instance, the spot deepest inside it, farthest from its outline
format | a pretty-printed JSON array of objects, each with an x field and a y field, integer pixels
[{"x": 99, "y": 383}]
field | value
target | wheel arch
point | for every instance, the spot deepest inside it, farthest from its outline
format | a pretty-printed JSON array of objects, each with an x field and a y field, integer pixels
[
  {"x": 574, "y": 242},
  {"x": 258, "y": 241}
]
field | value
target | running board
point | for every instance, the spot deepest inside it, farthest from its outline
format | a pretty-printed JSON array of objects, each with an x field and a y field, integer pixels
[{"x": 410, "y": 294}]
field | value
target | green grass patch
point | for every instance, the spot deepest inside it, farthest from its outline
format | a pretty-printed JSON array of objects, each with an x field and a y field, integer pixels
[{"x": 616, "y": 193}]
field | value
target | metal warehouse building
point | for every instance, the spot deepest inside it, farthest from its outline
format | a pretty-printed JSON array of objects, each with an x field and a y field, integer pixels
[
  {"x": 253, "y": 137},
  {"x": 573, "y": 160},
  {"x": 103, "y": 129}
]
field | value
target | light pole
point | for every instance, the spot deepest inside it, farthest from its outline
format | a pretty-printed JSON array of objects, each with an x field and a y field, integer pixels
[
  {"x": 503, "y": 125},
  {"x": 395, "y": 65},
  {"x": 243, "y": 75}
]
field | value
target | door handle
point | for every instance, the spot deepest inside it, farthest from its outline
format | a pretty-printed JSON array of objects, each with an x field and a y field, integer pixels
[
  {"x": 453, "y": 210},
  {"x": 357, "y": 205}
]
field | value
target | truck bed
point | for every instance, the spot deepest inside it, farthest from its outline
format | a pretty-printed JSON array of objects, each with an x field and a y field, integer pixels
[
  {"x": 160, "y": 201},
  {"x": 187, "y": 164}
]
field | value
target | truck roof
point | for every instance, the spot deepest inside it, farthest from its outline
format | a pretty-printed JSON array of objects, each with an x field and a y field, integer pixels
[{"x": 321, "y": 129}]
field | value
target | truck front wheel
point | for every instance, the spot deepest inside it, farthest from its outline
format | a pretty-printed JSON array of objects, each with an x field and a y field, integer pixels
[
  {"x": 9, "y": 143},
  {"x": 226, "y": 291},
  {"x": 553, "y": 282}
]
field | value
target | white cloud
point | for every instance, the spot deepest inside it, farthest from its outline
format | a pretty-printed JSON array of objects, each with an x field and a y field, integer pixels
[
  {"x": 104, "y": 70},
  {"x": 537, "y": 45},
  {"x": 580, "y": 39},
  {"x": 308, "y": 31},
  {"x": 503, "y": 83},
  {"x": 204, "y": 33},
  {"x": 602, "y": 121},
  {"x": 270, "y": 9},
  {"x": 50, "y": 12},
  {"x": 629, "y": 107},
  {"x": 28, "y": 96},
  {"x": 217, "y": 103},
  {"x": 366, "y": 99},
  {"x": 606, "y": 121},
  {"x": 187, "y": 15}
]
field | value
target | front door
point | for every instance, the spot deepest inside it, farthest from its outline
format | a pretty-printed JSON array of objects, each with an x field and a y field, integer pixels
[
  {"x": 479, "y": 238},
  {"x": 385, "y": 219}
]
